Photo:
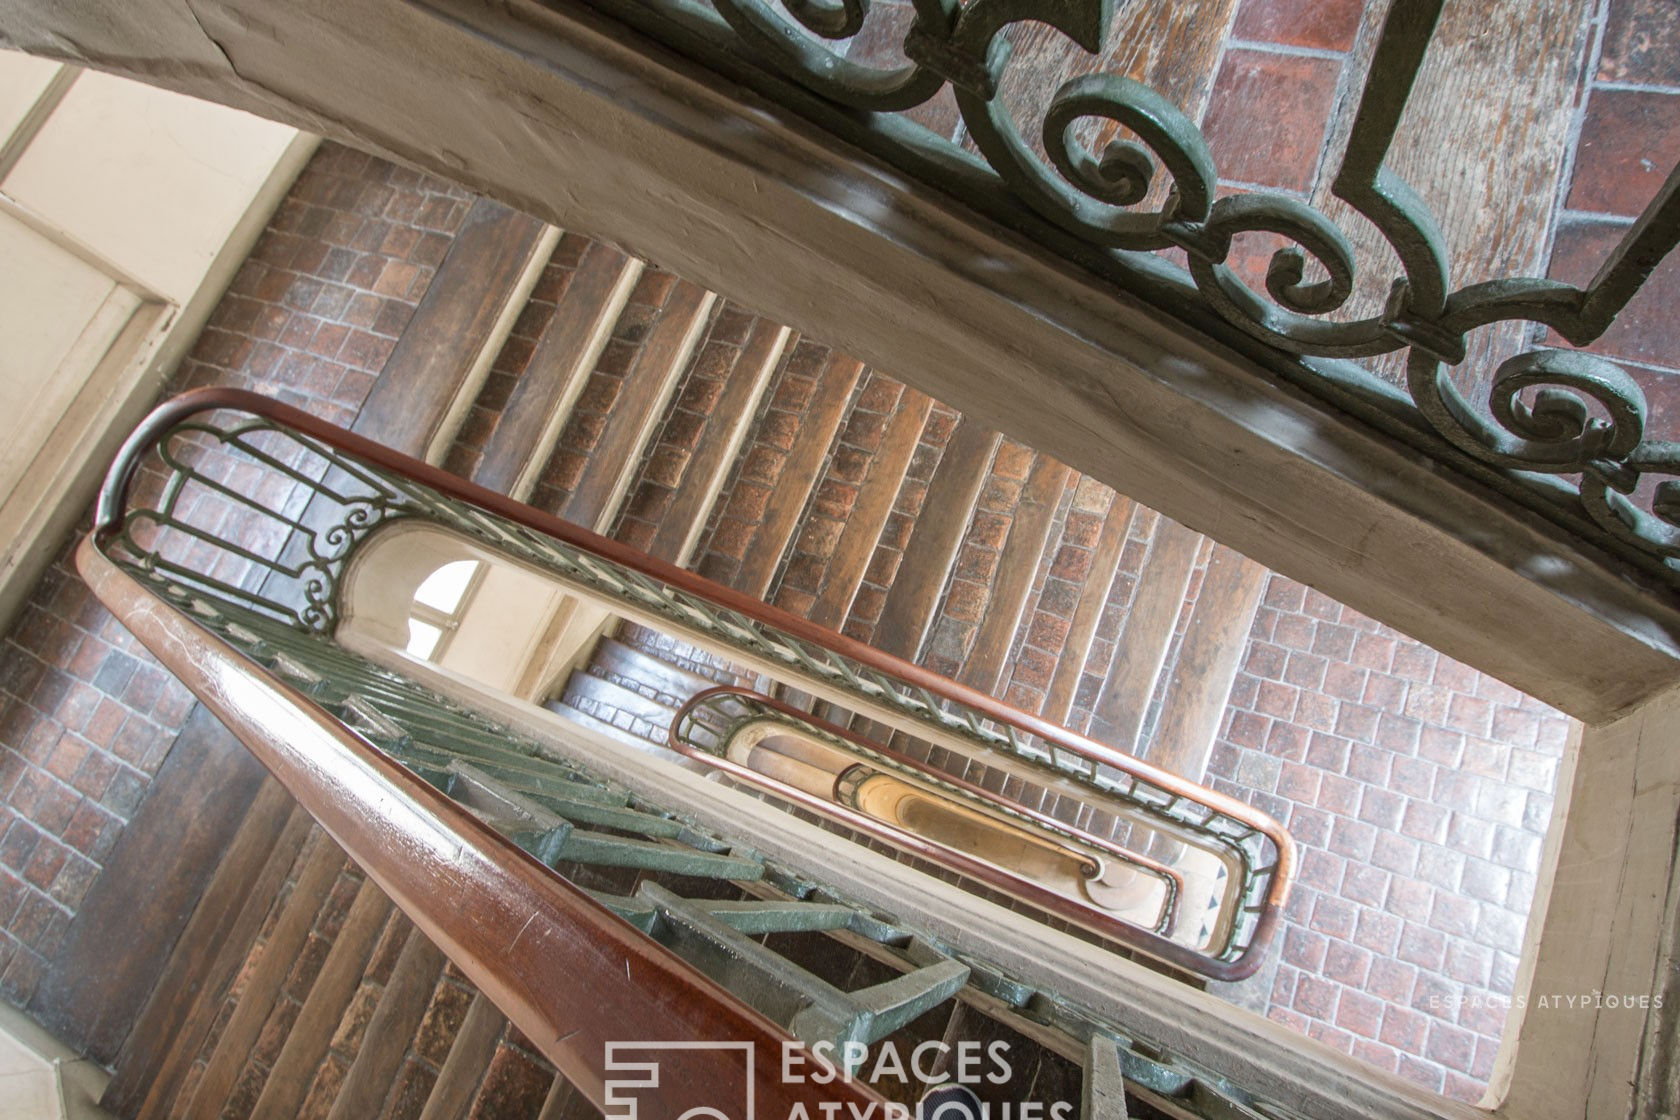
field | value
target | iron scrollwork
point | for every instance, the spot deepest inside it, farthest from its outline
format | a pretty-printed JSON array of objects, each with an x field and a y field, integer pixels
[{"x": 1548, "y": 412}]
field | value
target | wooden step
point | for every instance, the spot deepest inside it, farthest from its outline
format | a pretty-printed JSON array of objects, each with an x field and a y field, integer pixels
[
  {"x": 170, "y": 1034},
  {"x": 469, "y": 1060},
  {"x": 726, "y": 424},
  {"x": 602, "y": 692},
  {"x": 818, "y": 427},
  {"x": 401, "y": 1007},
  {"x": 542, "y": 398},
  {"x": 564, "y": 1102},
  {"x": 914, "y": 595},
  {"x": 515, "y": 1085},
  {"x": 617, "y": 658},
  {"x": 628, "y": 419},
  {"x": 1147, "y": 636},
  {"x": 311, "y": 1032},
  {"x": 262, "y": 987},
  {"x": 874, "y": 504},
  {"x": 443, "y": 354},
  {"x": 1029, "y": 534},
  {"x": 1215, "y": 642},
  {"x": 1087, "y": 614}
]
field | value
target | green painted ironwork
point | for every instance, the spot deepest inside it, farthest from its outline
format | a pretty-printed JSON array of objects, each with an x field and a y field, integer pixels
[
  {"x": 198, "y": 523},
  {"x": 1562, "y": 432},
  {"x": 545, "y": 804},
  {"x": 711, "y": 721}
]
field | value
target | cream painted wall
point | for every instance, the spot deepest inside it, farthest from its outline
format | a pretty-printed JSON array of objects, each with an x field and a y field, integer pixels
[{"x": 124, "y": 212}]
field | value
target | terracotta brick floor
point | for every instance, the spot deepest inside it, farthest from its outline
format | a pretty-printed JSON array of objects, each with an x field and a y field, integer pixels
[{"x": 1419, "y": 791}]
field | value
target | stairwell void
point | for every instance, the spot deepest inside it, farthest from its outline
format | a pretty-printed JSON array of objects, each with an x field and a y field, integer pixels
[
  {"x": 1419, "y": 790},
  {"x": 630, "y": 400}
]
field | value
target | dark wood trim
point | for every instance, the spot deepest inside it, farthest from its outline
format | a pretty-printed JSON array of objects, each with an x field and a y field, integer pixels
[
  {"x": 913, "y": 598},
  {"x": 418, "y": 390},
  {"x": 420, "y": 847}
]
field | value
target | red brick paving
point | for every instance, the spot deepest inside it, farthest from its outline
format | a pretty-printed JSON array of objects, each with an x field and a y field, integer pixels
[
  {"x": 1267, "y": 119},
  {"x": 1418, "y": 790},
  {"x": 1328, "y": 25}
]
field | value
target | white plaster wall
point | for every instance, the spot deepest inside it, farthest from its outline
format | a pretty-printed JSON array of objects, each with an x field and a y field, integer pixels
[{"x": 124, "y": 212}]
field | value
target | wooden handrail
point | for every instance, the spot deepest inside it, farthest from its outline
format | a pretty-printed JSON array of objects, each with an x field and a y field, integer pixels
[
  {"x": 108, "y": 521},
  {"x": 1087, "y": 916},
  {"x": 568, "y": 973}
]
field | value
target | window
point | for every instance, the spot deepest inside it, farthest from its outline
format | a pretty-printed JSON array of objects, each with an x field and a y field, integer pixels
[{"x": 439, "y": 602}]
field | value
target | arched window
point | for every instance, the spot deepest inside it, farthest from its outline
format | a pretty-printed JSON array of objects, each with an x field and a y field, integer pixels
[
  {"x": 439, "y": 602},
  {"x": 434, "y": 596}
]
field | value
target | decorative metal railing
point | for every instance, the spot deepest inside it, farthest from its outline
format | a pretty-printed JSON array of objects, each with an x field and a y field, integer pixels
[
  {"x": 715, "y": 724},
  {"x": 334, "y": 726},
  {"x": 205, "y": 532},
  {"x": 1564, "y": 433}
]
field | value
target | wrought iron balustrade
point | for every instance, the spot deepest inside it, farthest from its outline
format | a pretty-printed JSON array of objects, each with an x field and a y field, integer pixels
[
  {"x": 465, "y": 821},
  {"x": 1566, "y": 434},
  {"x": 200, "y": 528},
  {"x": 819, "y": 765}
]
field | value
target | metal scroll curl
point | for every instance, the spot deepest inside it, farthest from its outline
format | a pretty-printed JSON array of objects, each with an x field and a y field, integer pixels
[{"x": 1550, "y": 412}]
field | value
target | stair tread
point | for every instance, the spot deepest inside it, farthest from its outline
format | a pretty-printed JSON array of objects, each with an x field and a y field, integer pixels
[
  {"x": 447, "y": 343},
  {"x": 932, "y": 549},
  {"x": 604, "y": 691},
  {"x": 311, "y": 1032},
  {"x": 1148, "y": 634},
  {"x": 635, "y": 410},
  {"x": 577, "y": 715},
  {"x": 1029, "y": 535},
  {"x": 662, "y": 675},
  {"x": 469, "y": 1059},
  {"x": 242, "y": 872},
  {"x": 1215, "y": 641},
  {"x": 726, "y": 428},
  {"x": 262, "y": 987},
  {"x": 799, "y": 473},
  {"x": 401, "y": 1007},
  {"x": 1088, "y": 612},
  {"x": 874, "y": 504},
  {"x": 530, "y": 422},
  {"x": 136, "y": 1083}
]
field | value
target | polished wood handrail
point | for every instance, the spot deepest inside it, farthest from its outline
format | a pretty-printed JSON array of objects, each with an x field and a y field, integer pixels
[
  {"x": 566, "y": 971},
  {"x": 108, "y": 520},
  {"x": 1090, "y": 917}
]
